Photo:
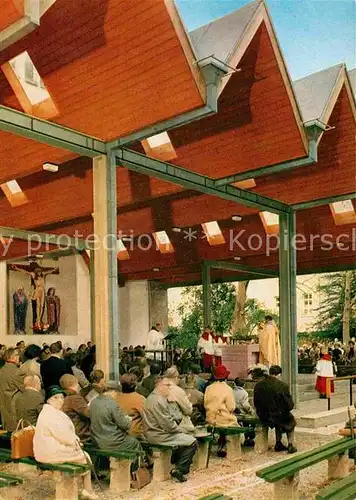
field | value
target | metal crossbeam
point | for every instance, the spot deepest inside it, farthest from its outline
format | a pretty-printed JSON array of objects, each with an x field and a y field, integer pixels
[
  {"x": 191, "y": 180},
  {"x": 49, "y": 133},
  {"x": 232, "y": 266},
  {"x": 33, "y": 237},
  {"x": 324, "y": 201}
]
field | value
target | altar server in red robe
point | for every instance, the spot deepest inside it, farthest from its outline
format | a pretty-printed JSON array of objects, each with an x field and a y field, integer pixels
[
  {"x": 219, "y": 340},
  {"x": 206, "y": 346}
]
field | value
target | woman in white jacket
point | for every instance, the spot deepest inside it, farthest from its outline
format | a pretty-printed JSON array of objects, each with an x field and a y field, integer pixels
[{"x": 55, "y": 440}]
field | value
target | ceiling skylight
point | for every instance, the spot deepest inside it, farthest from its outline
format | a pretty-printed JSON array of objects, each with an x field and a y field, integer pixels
[{"x": 28, "y": 86}]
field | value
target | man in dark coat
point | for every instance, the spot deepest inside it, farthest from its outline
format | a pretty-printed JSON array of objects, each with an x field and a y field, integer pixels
[
  {"x": 273, "y": 403},
  {"x": 54, "y": 367}
]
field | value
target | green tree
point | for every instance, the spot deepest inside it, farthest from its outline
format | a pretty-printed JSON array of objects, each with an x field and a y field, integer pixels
[
  {"x": 223, "y": 303},
  {"x": 191, "y": 312},
  {"x": 338, "y": 292}
]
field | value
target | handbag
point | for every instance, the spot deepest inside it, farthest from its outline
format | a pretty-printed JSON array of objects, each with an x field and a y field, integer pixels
[
  {"x": 22, "y": 441},
  {"x": 140, "y": 478}
]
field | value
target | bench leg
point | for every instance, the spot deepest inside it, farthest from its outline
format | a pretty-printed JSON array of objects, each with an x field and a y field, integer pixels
[
  {"x": 338, "y": 466},
  {"x": 261, "y": 440},
  {"x": 66, "y": 486},
  {"x": 200, "y": 459},
  {"x": 161, "y": 465},
  {"x": 120, "y": 475},
  {"x": 233, "y": 447},
  {"x": 286, "y": 488}
]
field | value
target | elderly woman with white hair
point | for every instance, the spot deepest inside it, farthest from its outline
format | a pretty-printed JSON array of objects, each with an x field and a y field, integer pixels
[
  {"x": 55, "y": 441},
  {"x": 179, "y": 397}
]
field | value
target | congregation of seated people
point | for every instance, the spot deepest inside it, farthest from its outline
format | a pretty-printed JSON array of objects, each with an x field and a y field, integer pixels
[{"x": 68, "y": 399}]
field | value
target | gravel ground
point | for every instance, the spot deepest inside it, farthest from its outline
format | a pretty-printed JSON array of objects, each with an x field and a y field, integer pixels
[{"x": 237, "y": 479}]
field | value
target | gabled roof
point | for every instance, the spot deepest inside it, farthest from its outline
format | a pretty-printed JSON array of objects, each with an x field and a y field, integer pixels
[
  {"x": 352, "y": 78},
  {"x": 220, "y": 37},
  {"x": 315, "y": 91}
]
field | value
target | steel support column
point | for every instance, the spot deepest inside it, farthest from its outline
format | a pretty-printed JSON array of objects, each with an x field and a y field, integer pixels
[
  {"x": 206, "y": 295},
  {"x": 92, "y": 294},
  {"x": 287, "y": 300},
  {"x": 105, "y": 265}
]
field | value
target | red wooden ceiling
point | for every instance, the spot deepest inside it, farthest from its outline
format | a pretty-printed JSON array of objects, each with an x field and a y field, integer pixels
[
  {"x": 111, "y": 66},
  {"x": 334, "y": 173},
  {"x": 255, "y": 125},
  {"x": 11, "y": 11},
  {"x": 21, "y": 156}
]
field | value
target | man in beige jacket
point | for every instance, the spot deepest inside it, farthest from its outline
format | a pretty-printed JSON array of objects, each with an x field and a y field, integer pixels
[
  {"x": 220, "y": 405},
  {"x": 11, "y": 383}
]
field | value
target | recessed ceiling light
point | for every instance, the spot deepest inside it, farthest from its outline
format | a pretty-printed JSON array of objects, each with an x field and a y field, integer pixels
[
  {"x": 237, "y": 258},
  {"x": 155, "y": 269},
  {"x": 236, "y": 218},
  {"x": 176, "y": 229},
  {"x": 50, "y": 167}
]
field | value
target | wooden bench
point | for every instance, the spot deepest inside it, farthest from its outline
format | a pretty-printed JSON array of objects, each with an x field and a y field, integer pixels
[
  {"x": 9, "y": 480},
  {"x": 344, "y": 489},
  {"x": 65, "y": 475},
  {"x": 261, "y": 439},
  {"x": 161, "y": 455},
  {"x": 120, "y": 466},
  {"x": 284, "y": 474},
  {"x": 233, "y": 439}
]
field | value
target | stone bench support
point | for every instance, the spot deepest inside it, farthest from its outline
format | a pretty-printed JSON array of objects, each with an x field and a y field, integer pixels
[
  {"x": 287, "y": 488},
  {"x": 161, "y": 465},
  {"x": 338, "y": 466},
  {"x": 261, "y": 440},
  {"x": 233, "y": 447},
  {"x": 200, "y": 459},
  {"x": 120, "y": 475},
  {"x": 66, "y": 485}
]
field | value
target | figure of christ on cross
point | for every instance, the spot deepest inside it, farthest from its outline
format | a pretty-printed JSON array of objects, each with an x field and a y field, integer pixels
[{"x": 38, "y": 275}]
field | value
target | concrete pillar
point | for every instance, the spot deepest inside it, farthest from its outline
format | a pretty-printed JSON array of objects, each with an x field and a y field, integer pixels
[
  {"x": 83, "y": 298},
  {"x": 134, "y": 313},
  {"x": 287, "y": 301},
  {"x": 158, "y": 302},
  {"x": 105, "y": 265},
  {"x": 3, "y": 300}
]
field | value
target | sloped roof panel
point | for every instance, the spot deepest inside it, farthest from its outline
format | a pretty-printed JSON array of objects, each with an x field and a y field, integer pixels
[
  {"x": 314, "y": 91},
  {"x": 352, "y": 77},
  {"x": 220, "y": 37}
]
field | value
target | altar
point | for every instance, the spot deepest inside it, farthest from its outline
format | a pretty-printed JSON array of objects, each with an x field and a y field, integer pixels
[{"x": 238, "y": 357}]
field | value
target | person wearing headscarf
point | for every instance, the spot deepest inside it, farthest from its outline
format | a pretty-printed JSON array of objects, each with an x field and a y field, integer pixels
[{"x": 55, "y": 440}]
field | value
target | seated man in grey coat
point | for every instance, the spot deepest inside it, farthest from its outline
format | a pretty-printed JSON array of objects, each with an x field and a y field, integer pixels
[
  {"x": 109, "y": 425},
  {"x": 161, "y": 421},
  {"x": 28, "y": 404}
]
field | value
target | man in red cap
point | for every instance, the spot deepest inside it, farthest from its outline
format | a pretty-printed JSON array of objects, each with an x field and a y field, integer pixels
[
  {"x": 206, "y": 346},
  {"x": 220, "y": 404}
]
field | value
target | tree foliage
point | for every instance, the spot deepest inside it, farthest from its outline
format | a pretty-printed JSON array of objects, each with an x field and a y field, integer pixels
[
  {"x": 223, "y": 300},
  {"x": 331, "y": 308}
]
